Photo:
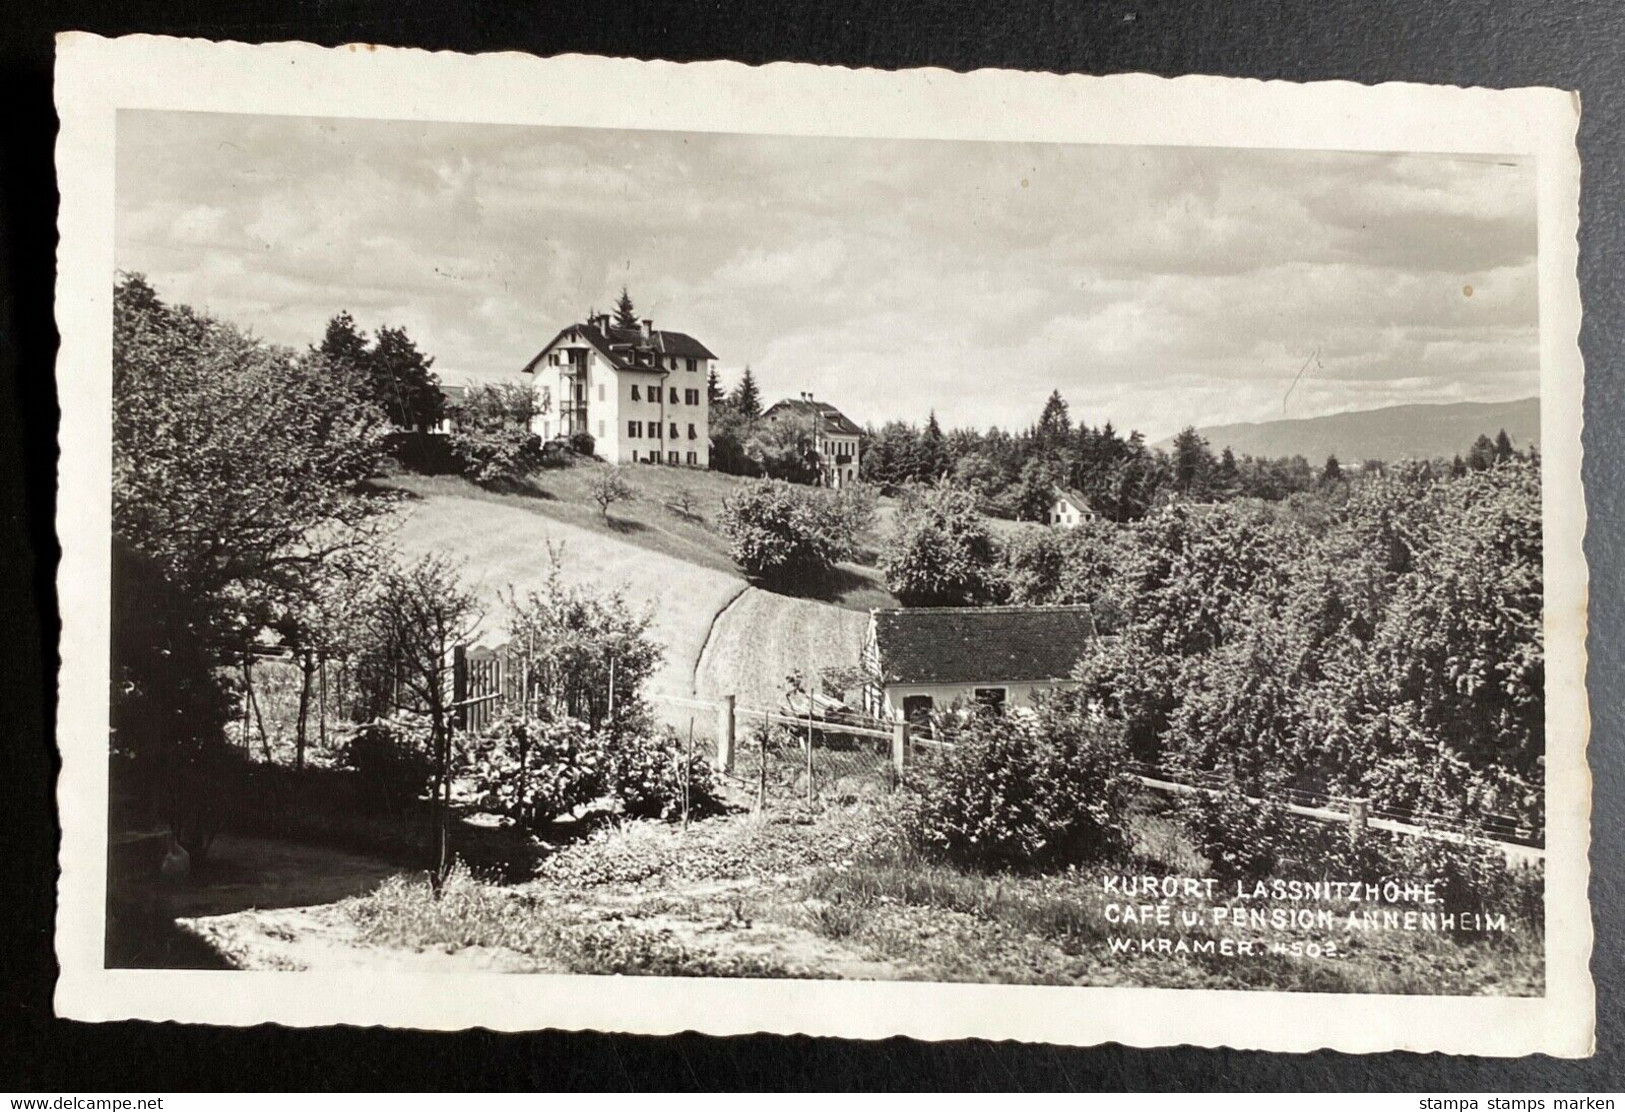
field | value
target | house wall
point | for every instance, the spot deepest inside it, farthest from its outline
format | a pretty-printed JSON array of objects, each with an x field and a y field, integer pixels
[
  {"x": 831, "y": 445},
  {"x": 944, "y": 695}
]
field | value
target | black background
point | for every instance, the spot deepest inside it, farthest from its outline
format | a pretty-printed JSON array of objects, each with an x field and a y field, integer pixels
[{"x": 1572, "y": 44}]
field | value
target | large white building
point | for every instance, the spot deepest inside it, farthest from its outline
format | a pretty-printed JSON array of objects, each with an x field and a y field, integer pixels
[{"x": 639, "y": 392}]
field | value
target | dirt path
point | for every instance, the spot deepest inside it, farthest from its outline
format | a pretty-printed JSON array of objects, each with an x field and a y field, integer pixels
[{"x": 760, "y": 638}]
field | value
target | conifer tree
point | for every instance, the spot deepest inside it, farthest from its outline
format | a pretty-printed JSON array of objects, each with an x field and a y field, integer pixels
[
  {"x": 747, "y": 399},
  {"x": 625, "y": 315},
  {"x": 713, "y": 389}
]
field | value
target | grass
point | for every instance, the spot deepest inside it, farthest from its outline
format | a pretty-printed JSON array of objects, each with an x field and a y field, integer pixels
[
  {"x": 748, "y": 896},
  {"x": 654, "y": 518}
]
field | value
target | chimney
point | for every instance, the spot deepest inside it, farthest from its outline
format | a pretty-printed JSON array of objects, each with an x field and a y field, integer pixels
[{"x": 648, "y": 328}]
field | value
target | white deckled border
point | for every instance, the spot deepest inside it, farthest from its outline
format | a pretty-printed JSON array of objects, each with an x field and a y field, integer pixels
[{"x": 96, "y": 77}]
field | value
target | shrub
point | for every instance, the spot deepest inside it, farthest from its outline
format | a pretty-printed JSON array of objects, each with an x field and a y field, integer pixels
[
  {"x": 492, "y": 441},
  {"x": 535, "y": 770},
  {"x": 647, "y": 768},
  {"x": 392, "y": 758},
  {"x": 1241, "y": 839},
  {"x": 1024, "y": 791},
  {"x": 777, "y": 532},
  {"x": 582, "y": 444}
]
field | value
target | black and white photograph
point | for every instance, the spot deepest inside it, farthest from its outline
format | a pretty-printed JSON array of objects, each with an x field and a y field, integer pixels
[{"x": 661, "y": 552}]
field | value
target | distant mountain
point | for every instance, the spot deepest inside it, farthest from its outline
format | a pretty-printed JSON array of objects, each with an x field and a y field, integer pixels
[{"x": 1394, "y": 432}]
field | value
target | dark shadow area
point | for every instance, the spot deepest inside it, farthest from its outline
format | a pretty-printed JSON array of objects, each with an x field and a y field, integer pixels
[{"x": 624, "y": 525}]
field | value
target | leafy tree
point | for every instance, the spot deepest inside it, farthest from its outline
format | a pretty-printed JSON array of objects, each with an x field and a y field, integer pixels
[
  {"x": 625, "y": 315},
  {"x": 419, "y": 613},
  {"x": 344, "y": 346},
  {"x": 576, "y": 645},
  {"x": 492, "y": 440},
  {"x": 1481, "y": 456},
  {"x": 730, "y": 432},
  {"x": 402, "y": 383},
  {"x": 607, "y": 487},
  {"x": 786, "y": 448},
  {"x": 940, "y": 552},
  {"x": 780, "y": 534},
  {"x": 746, "y": 398}
]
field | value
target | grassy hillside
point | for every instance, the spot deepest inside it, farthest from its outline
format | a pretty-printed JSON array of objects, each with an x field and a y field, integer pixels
[
  {"x": 1394, "y": 432},
  {"x": 721, "y": 636}
]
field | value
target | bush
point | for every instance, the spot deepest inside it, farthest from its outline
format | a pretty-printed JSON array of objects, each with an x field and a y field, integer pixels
[
  {"x": 1024, "y": 791},
  {"x": 492, "y": 440},
  {"x": 535, "y": 770},
  {"x": 646, "y": 772},
  {"x": 779, "y": 533},
  {"x": 1241, "y": 839},
  {"x": 582, "y": 444},
  {"x": 393, "y": 759}
]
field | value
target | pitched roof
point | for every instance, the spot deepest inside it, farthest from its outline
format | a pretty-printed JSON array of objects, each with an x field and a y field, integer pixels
[
  {"x": 830, "y": 419},
  {"x": 626, "y": 348},
  {"x": 454, "y": 393},
  {"x": 989, "y": 644},
  {"x": 1079, "y": 502}
]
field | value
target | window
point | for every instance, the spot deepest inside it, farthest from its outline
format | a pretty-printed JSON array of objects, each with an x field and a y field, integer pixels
[
  {"x": 674, "y": 433},
  {"x": 917, "y": 709},
  {"x": 634, "y": 429},
  {"x": 692, "y": 435},
  {"x": 671, "y": 457},
  {"x": 693, "y": 458},
  {"x": 691, "y": 397},
  {"x": 990, "y": 698},
  {"x": 691, "y": 364},
  {"x": 674, "y": 395},
  {"x": 635, "y": 392},
  {"x": 600, "y": 391}
]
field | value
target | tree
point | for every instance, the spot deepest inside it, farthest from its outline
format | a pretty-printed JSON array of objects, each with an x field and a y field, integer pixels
[
  {"x": 1481, "y": 456},
  {"x": 1503, "y": 447},
  {"x": 1192, "y": 465},
  {"x": 493, "y": 440},
  {"x": 625, "y": 315},
  {"x": 931, "y": 460},
  {"x": 940, "y": 552},
  {"x": 420, "y": 613},
  {"x": 730, "y": 432},
  {"x": 714, "y": 394},
  {"x": 786, "y": 447},
  {"x": 344, "y": 346},
  {"x": 784, "y": 534},
  {"x": 402, "y": 383},
  {"x": 1332, "y": 473},
  {"x": 1054, "y": 429},
  {"x": 746, "y": 398},
  {"x": 607, "y": 487}
]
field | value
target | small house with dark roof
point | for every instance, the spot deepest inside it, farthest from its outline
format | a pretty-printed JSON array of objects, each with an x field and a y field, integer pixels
[
  {"x": 640, "y": 393},
  {"x": 836, "y": 437},
  {"x": 1068, "y": 508},
  {"x": 932, "y": 658}
]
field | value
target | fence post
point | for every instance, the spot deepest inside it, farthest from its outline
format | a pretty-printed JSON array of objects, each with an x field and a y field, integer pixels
[
  {"x": 1359, "y": 812},
  {"x": 725, "y": 734},
  {"x": 899, "y": 748},
  {"x": 459, "y": 686}
]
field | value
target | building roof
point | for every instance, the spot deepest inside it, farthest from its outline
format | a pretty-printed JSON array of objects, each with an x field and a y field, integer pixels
[
  {"x": 454, "y": 393},
  {"x": 830, "y": 419},
  {"x": 630, "y": 349},
  {"x": 989, "y": 644},
  {"x": 1076, "y": 498}
]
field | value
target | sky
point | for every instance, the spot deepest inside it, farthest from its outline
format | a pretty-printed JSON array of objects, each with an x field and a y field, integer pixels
[{"x": 1155, "y": 287}]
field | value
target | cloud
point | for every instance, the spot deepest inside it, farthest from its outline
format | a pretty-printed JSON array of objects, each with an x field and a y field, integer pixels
[{"x": 1153, "y": 286}]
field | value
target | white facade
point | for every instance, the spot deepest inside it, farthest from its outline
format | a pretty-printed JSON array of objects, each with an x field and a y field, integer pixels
[
  {"x": 1068, "y": 510},
  {"x": 900, "y": 701},
  {"x": 836, "y": 439},
  {"x": 636, "y": 412}
]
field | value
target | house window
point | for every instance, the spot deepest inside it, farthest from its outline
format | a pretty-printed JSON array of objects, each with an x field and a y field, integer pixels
[
  {"x": 692, "y": 435},
  {"x": 600, "y": 391},
  {"x": 693, "y": 458},
  {"x": 691, "y": 364},
  {"x": 635, "y": 392},
  {"x": 674, "y": 396},
  {"x": 917, "y": 709},
  {"x": 990, "y": 698},
  {"x": 634, "y": 429},
  {"x": 671, "y": 457},
  {"x": 674, "y": 433},
  {"x": 691, "y": 397}
]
